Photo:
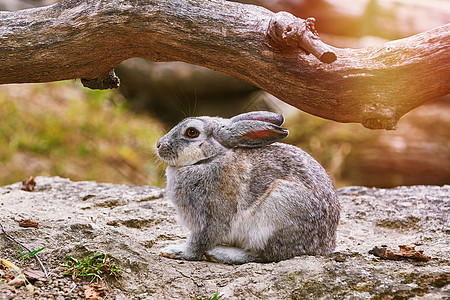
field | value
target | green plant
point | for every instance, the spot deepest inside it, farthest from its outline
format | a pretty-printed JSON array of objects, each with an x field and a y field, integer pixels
[
  {"x": 29, "y": 254},
  {"x": 92, "y": 268},
  {"x": 216, "y": 296}
]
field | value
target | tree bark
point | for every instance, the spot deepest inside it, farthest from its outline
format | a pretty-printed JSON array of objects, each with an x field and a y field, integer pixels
[{"x": 87, "y": 39}]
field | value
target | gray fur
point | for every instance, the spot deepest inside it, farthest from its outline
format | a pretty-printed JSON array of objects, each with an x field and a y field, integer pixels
[{"x": 243, "y": 197}]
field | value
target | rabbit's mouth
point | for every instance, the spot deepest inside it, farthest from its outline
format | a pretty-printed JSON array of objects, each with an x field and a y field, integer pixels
[{"x": 167, "y": 154}]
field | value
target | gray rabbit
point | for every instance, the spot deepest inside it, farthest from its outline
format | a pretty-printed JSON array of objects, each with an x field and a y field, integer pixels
[{"x": 244, "y": 197}]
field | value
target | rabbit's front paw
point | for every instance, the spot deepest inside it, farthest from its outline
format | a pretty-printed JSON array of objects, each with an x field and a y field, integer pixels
[
  {"x": 179, "y": 252},
  {"x": 174, "y": 251}
]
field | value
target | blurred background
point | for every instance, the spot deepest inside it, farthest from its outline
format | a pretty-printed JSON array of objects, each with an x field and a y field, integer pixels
[{"x": 63, "y": 129}]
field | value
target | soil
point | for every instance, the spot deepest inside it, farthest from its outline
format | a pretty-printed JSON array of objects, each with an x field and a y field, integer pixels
[{"x": 132, "y": 223}]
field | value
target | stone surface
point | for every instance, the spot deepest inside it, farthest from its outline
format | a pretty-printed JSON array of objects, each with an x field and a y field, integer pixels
[{"x": 132, "y": 224}]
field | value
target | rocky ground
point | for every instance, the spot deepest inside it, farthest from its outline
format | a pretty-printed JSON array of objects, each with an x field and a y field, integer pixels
[{"x": 132, "y": 223}]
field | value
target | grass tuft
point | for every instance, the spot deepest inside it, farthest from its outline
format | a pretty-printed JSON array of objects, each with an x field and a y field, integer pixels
[
  {"x": 216, "y": 296},
  {"x": 29, "y": 254},
  {"x": 97, "y": 267}
]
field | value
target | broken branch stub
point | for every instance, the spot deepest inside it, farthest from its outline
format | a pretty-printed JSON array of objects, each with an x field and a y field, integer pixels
[{"x": 287, "y": 32}]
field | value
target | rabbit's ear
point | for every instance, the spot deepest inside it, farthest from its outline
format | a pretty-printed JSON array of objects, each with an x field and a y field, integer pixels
[
  {"x": 265, "y": 116},
  {"x": 249, "y": 133}
]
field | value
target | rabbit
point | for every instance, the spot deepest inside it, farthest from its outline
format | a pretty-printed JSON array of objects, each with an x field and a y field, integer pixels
[{"x": 244, "y": 196}]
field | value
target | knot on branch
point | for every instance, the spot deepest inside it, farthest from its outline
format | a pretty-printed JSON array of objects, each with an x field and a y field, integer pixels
[
  {"x": 378, "y": 116},
  {"x": 110, "y": 81},
  {"x": 287, "y": 32}
]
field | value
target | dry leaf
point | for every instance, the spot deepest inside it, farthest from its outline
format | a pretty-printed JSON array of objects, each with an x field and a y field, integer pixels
[
  {"x": 20, "y": 278},
  {"x": 405, "y": 252},
  {"x": 93, "y": 291},
  {"x": 28, "y": 184},
  {"x": 29, "y": 223},
  {"x": 10, "y": 265},
  {"x": 33, "y": 275}
]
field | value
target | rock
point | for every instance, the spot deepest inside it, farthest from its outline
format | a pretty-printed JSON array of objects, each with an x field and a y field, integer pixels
[
  {"x": 132, "y": 224},
  {"x": 19, "y": 280}
]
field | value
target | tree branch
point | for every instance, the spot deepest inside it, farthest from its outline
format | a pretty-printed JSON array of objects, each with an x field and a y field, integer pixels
[{"x": 87, "y": 39}]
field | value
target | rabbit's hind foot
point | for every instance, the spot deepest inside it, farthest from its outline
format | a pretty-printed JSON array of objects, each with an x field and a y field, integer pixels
[
  {"x": 219, "y": 254},
  {"x": 229, "y": 255}
]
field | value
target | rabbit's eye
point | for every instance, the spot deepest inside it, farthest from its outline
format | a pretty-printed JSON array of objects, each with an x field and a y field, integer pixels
[{"x": 191, "y": 132}]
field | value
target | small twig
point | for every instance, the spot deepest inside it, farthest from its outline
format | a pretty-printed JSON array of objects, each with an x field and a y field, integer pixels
[{"x": 11, "y": 238}]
